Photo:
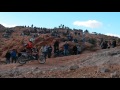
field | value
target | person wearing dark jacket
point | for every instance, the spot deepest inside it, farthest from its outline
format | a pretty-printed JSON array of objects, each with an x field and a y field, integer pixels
[
  {"x": 35, "y": 52},
  {"x": 56, "y": 46},
  {"x": 114, "y": 43},
  {"x": 49, "y": 51},
  {"x": 7, "y": 56},
  {"x": 104, "y": 45},
  {"x": 75, "y": 50},
  {"x": 109, "y": 44}
]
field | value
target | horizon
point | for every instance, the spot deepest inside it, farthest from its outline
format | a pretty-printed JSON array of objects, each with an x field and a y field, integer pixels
[{"x": 101, "y": 22}]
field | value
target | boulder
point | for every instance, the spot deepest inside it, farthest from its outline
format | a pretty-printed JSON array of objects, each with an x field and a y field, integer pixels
[
  {"x": 74, "y": 67},
  {"x": 103, "y": 70}
]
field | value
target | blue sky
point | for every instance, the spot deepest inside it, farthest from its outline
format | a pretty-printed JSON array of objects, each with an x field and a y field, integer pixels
[{"x": 100, "y": 22}]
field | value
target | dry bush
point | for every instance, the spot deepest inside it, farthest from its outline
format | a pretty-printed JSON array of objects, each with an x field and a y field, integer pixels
[
  {"x": 10, "y": 46},
  {"x": 118, "y": 42},
  {"x": 21, "y": 40},
  {"x": 0, "y": 49},
  {"x": 5, "y": 48},
  {"x": 93, "y": 41},
  {"x": 0, "y": 53}
]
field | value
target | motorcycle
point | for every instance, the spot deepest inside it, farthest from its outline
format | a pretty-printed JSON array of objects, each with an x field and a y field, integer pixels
[{"x": 26, "y": 57}]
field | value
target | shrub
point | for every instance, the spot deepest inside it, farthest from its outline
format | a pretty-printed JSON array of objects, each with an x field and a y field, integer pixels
[
  {"x": 0, "y": 49},
  {"x": 118, "y": 40},
  {"x": 10, "y": 46},
  {"x": 0, "y": 53},
  {"x": 64, "y": 34},
  {"x": 22, "y": 41},
  {"x": 86, "y": 31}
]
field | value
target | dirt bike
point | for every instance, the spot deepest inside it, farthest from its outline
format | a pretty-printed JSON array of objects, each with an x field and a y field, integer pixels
[{"x": 26, "y": 57}]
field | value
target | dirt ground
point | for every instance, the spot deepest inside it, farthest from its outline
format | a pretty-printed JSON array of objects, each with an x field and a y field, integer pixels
[{"x": 99, "y": 64}]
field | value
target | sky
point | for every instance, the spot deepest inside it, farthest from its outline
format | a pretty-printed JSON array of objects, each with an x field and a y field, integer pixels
[{"x": 107, "y": 23}]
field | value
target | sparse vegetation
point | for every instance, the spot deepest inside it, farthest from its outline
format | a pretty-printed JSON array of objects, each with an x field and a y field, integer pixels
[
  {"x": 0, "y": 53},
  {"x": 93, "y": 41},
  {"x": 0, "y": 49},
  {"x": 86, "y": 31},
  {"x": 94, "y": 44},
  {"x": 65, "y": 34},
  {"x": 22, "y": 41},
  {"x": 118, "y": 40},
  {"x": 16, "y": 34}
]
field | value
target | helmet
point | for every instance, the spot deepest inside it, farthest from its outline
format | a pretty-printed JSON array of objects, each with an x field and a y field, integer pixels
[{"x": 30, "y": 40}]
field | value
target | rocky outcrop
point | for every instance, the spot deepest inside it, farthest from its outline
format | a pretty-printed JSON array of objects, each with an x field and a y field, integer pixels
[{"x": 2, "y": 28}]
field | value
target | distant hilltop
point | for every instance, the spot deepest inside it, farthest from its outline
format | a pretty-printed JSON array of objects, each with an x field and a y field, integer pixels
[{"x": 61, "y": 26}]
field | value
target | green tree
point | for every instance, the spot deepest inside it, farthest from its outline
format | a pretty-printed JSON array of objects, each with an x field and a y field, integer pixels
[
  {"x": 86, "y": 31},
  {"x": 32, "y": 26},
  {"x": 59, "y": 26},
  {"x": 63, "y": 26}
]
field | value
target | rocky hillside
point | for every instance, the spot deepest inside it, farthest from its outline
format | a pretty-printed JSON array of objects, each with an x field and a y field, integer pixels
[
  {"x": 92, "y": 62},
  {"x": 14, "y": 39}
]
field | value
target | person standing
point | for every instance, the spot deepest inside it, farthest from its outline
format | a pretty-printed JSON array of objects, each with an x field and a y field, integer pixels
[
  {"x": 56, "y": 46},
  {"x": 109, "y": 44},
  {"x": 75, "y": 50},
  {"x": 83, "y": 40},
  {"x": 49, "y": 51},
  {"x": 66, "y": 47},
  {"x": 13, "y": 55},
  {"x": 78, "y": 49},
  {"x": 37, "y": 53},
  {"x": 43, "y": 50},
  {"x": 113, "y": 43},
  {"x": 7, "y": 56}
]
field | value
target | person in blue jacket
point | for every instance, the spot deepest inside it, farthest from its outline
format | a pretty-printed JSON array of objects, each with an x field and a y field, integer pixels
[
  {"x": 13, "y": 55},
  {"x": 66, "y": 49}
]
